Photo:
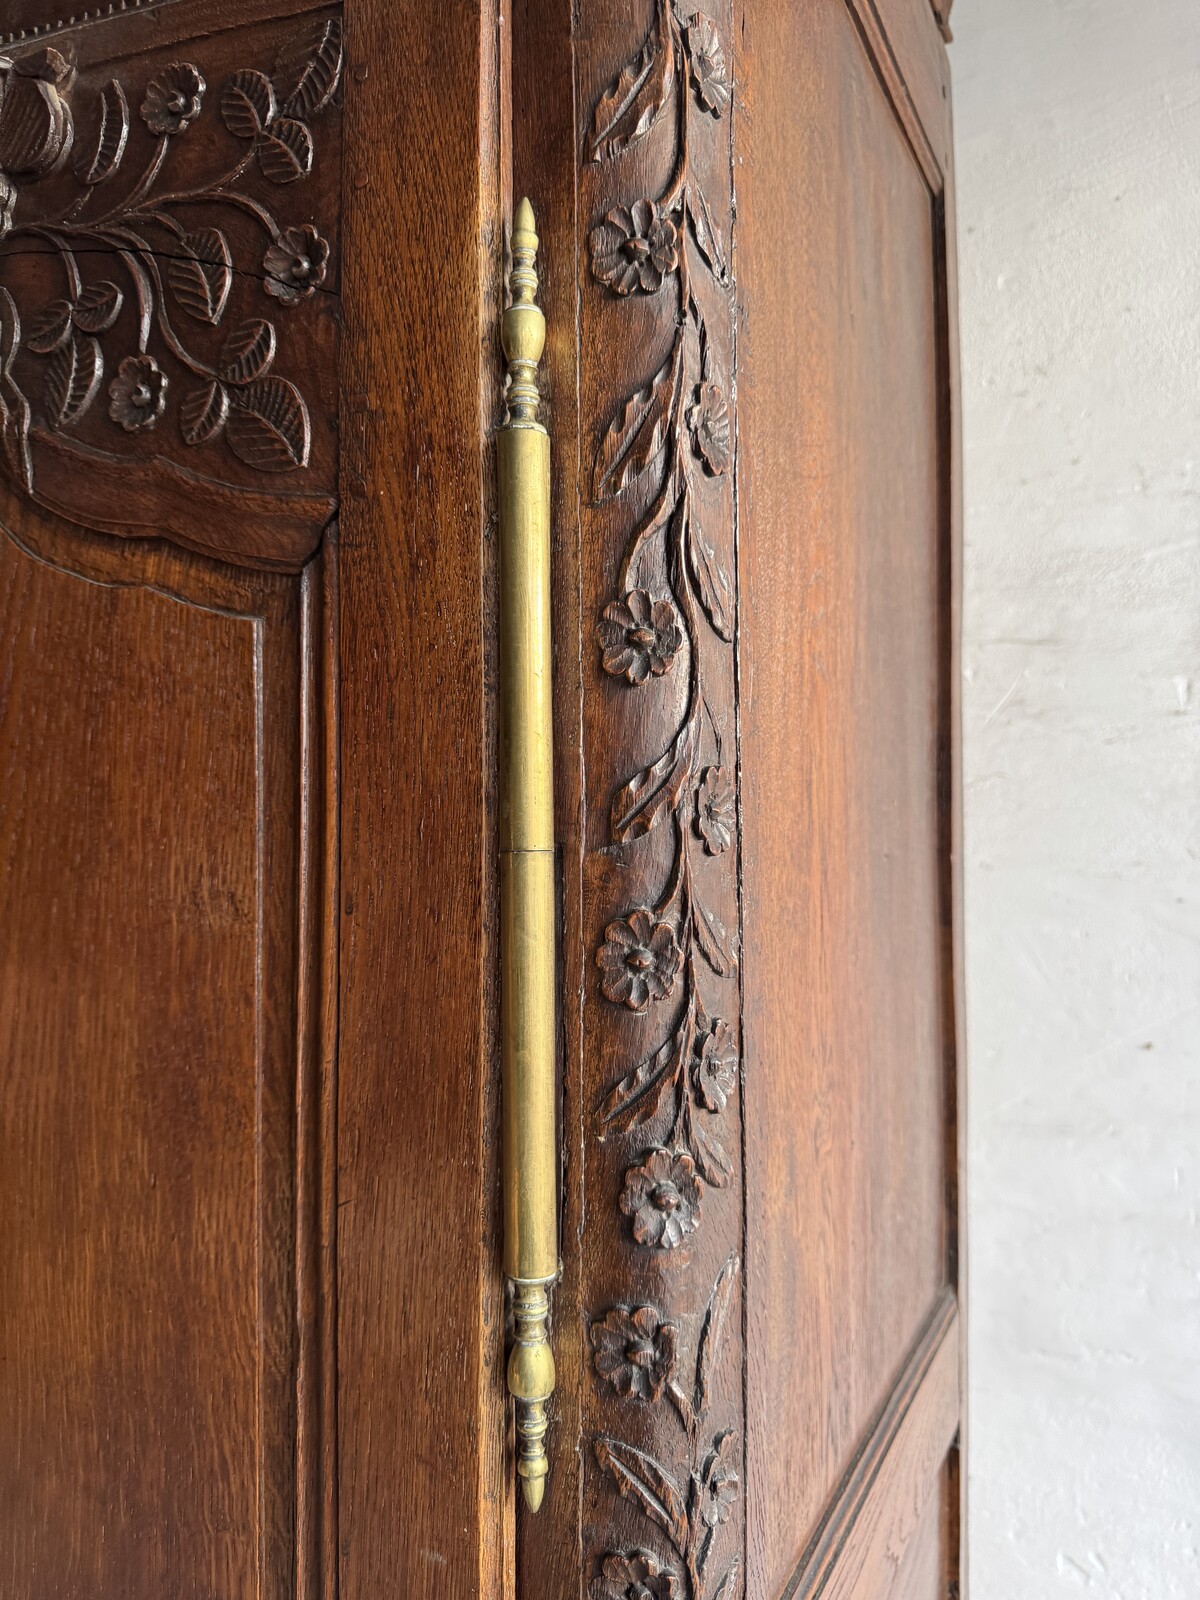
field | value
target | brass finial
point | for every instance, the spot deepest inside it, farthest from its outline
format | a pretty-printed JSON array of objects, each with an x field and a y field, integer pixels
[
  {"x": 531, "y": 1383},
  {"x": 523, "y": 327}
]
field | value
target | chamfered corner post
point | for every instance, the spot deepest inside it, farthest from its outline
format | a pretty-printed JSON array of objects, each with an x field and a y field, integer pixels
[{"x": 527, "y": 866}]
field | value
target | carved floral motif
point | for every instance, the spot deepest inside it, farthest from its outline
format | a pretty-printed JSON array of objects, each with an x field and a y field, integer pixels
[
  {"x": 171, "y": 266},
  {"x": 639, "y": 636},
  {"x": 636, "y": 1576},
  {"x": 662, "y": 1199},
  {"x": 689, "y": 1501},
  {"x": 672, "y": 613},
  {"x": 672, "y": 434}
]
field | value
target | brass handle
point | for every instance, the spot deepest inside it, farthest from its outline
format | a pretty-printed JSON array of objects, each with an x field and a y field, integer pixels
[{"x": 527, "y": 866}]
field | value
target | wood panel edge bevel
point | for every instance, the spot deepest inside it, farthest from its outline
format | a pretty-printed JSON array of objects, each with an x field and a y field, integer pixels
[{"x": 923, "y": 1402}]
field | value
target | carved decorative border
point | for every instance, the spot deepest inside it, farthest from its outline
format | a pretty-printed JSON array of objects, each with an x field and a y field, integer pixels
[
  {"x": 670, "y": 445},
  {"x": 111, "y": 8}
]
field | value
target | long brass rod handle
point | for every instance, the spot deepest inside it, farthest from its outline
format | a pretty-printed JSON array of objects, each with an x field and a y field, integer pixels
[{"x": 527, "y": 866}]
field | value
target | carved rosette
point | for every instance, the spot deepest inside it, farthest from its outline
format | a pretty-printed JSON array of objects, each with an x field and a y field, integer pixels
[
  {"x": 157, "y": 242},
  {"x": 664, "y": 1502}
]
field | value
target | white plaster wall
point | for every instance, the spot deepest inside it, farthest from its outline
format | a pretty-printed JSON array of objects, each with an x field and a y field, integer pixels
[{"x": 1078, "y": 149}]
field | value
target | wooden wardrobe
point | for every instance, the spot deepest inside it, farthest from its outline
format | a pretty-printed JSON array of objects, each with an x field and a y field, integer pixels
[{"x": 254, "y": 256}]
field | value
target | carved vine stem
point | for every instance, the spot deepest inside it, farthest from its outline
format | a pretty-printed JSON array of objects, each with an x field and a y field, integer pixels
[
  {"x": 262, "y": 417},
  {"x": 675, "y": 597},
  {"x": 676, "y": 429}
]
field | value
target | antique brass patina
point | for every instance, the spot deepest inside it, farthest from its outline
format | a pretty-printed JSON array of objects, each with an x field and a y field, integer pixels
[{"x": 527, "y": 865}]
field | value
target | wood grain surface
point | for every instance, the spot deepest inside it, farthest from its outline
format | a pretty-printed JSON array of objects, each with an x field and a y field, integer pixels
[
  {"x": 420, "y": 1311},
  {"x": 845, "y": 534},
  {"x": 148, "y": 1023},
  {"x": 845, "y": 709},
  {"x": 256, "y": 1335}
]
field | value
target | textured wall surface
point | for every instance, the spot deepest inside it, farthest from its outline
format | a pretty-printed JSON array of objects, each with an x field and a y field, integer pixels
[{"x": 1078, "y": 139}]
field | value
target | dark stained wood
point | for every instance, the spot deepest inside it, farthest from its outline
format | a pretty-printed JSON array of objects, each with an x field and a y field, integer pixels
[
  {"x": 161, "y": 263},
  {"x": 420, "y": 1312},
  {"x": 168, "y": 822},
  {"x": 153, "y": 1364},
  {"x": 248, "y": 822},
  {"x": 611, "y": 870}
]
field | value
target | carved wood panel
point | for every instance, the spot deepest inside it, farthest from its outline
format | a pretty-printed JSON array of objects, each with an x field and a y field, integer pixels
[
  {"x": 169, "y": 277},
  {"x": 663, "y": 1502},
  {"x": 168, "y": 283}
]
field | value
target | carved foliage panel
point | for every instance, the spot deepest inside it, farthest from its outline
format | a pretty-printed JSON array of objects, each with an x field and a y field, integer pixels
[
  {"x": 168, "y": 231},
  {"x": 663, "y": 1505}
]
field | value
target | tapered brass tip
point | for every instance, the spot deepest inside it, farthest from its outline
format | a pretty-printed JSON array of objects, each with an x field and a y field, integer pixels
[
  {"x": 533, "y": 1489},
  {"x": 531, "y": 1383},
  {"x": 523, "y": 218}
]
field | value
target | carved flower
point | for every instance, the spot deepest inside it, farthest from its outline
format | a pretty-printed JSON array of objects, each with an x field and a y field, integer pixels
[
  {"x": 295, "y": 264},
  {"x": 634, "y": 1351},
  {"x": 714, "y": 1069},
  {"x": 708, "y": 419},
  {"x": 662, "y": 1199},
  {"x": 639, "y": 636},
  {"x": 708, "y": 64},
  {"x": 139, "y": 393},
  {"x": 173, "y": 99},
  {"x": 8, "y": 200},
  {"x": 636, "y": 1576},
  {"x": 638, "y": 961},
  {"x": 720, "y": 1483},
  {"x": 716, "y": 810},
  {"x": 635, "y": 247}
]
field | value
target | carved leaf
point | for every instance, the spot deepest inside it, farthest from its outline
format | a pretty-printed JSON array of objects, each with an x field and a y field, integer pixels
[
  {"x": 268, "y": 426},
  {"x": 711, "y": 580},
  {"x": 637, "y": 438},
  {"x": 50, "y": 328},
  {"x": 639, "y": 1095},
  {"x": 72, "y": 379},
  {"x": 728, "y": 1584},
  {"x": 712, "y": 1333},
  {"x": 633, "y": 104},
  {"x": 202, "y": 274},
  {"x": 653, "y": 793},
  {"x": 712, "y": 1159},
  {"x": 640, "y": 1478},
  {"x": 101, "y": 158},
  {"x": 202, "y": 413},
  {"x": 10, "y": 332},
  {"x": 247, "y": 352},
  {"x": 14, "y": 426},
  {"x": 98, "y": 307},
  {"x": 706, "y": 234},
  {"x": 35, "y": 125},
  {"x": 717, "y": 946},
  {"x": 306, "y": 73},
  {"x": 286, "y": 153},
  {"x": 247, "y": 104}
]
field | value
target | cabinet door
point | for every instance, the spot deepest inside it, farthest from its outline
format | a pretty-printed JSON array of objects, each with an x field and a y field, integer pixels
[
  {"x": 167, "y": 472},
  {"x": 251, "y": 267},
  {"x": 745, "y": 212}
]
